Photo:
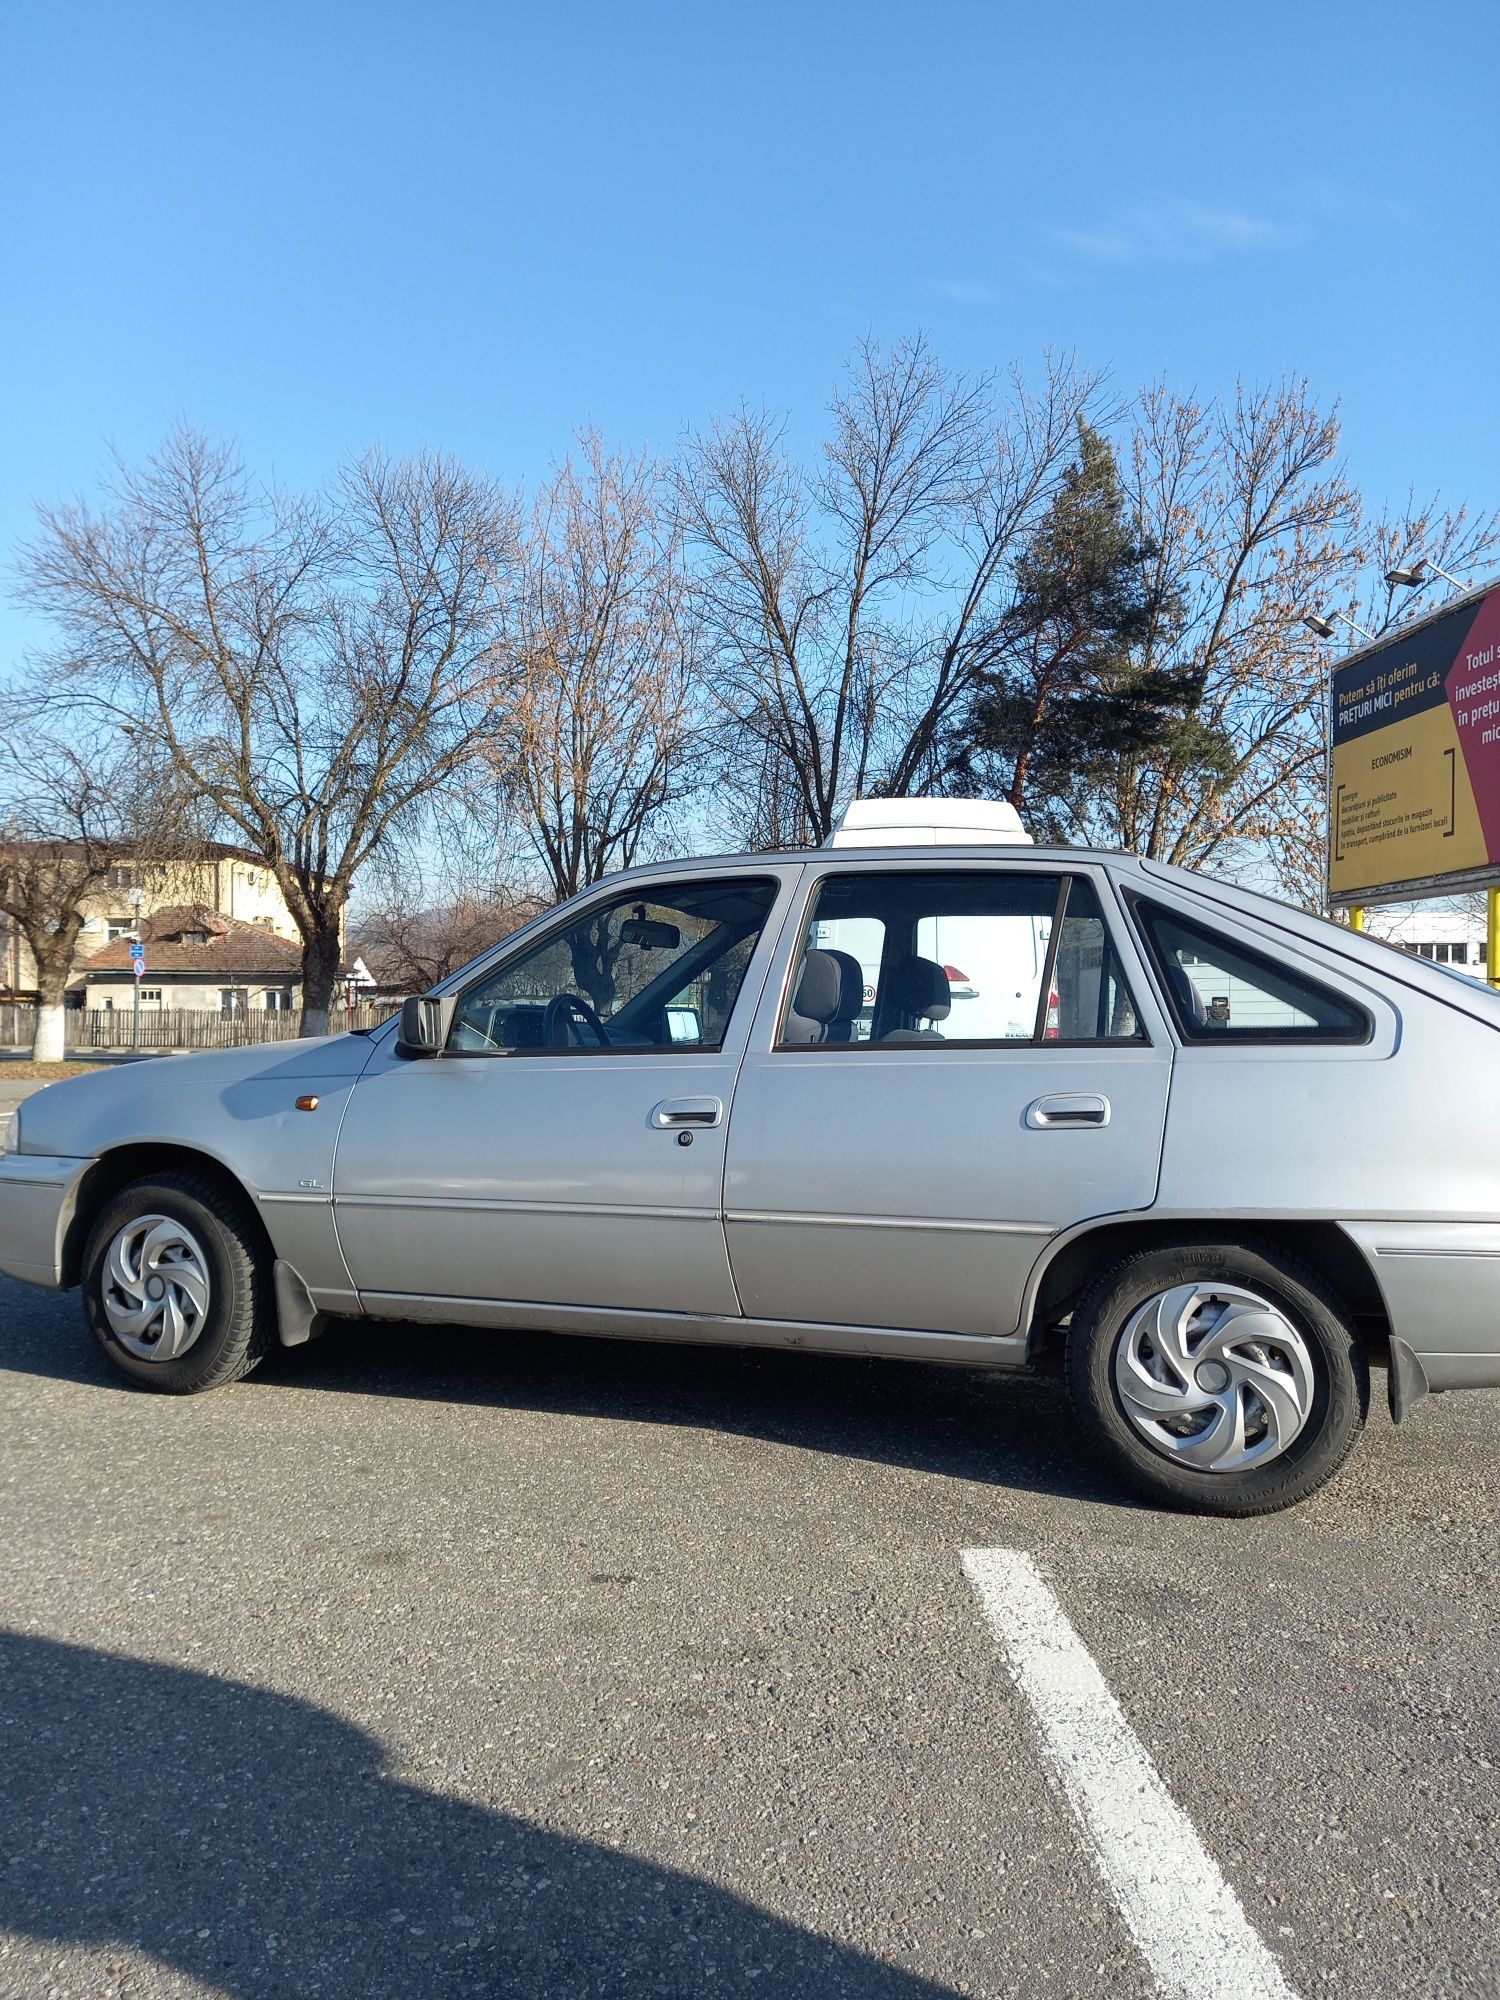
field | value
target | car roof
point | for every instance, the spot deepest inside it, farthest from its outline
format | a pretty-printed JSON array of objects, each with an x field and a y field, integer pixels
[{"x": 968, "y": 850}]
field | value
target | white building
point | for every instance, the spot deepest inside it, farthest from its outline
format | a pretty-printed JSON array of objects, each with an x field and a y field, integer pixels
[{"x": 1448, "y": 934}]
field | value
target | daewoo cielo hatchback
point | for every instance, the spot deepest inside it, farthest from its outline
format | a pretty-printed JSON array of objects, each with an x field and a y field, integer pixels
[{"x": 928, "y": 1092}]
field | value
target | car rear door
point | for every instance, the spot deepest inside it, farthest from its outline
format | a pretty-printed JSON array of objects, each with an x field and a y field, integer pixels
[{"x": 907, "y": 1175}]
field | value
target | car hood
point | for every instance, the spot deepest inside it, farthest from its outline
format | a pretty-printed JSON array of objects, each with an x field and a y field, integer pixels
[{"x": 84, "y": 1115}]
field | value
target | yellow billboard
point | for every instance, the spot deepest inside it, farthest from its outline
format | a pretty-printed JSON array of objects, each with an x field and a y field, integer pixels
[{"x": 1414, "y": 792}]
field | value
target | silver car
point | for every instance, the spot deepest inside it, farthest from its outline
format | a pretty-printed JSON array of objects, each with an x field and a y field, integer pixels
[{"x": 951, "y": 1099}]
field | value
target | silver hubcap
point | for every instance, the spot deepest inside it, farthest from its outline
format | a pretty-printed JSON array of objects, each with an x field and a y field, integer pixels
[
  {"x": 154, "y": 1288},
  {"x": 1214, "y": 1376}
]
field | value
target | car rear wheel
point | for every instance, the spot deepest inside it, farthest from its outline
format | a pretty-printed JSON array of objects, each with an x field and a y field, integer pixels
[
  {"x": 176, "y": 1285},
  {"x": 1224, "y": 1377}
]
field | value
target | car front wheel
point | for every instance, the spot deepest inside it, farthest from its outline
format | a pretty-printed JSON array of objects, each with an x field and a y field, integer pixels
[
  {"x": 1218, "y": 1376},
  {"x": 176, "y": 1284}
]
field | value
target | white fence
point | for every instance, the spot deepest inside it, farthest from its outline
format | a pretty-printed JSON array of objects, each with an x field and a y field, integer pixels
[{"x": 89, "y": 1028}]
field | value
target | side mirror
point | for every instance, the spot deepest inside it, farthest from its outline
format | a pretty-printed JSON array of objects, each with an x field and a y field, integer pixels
[{"x": 425, "y": 1021}]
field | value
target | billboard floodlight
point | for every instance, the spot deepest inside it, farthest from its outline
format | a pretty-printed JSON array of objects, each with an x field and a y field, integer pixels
[
  {"x": 1324, "y": 627},
  {"x": 1411, "y": 576}
]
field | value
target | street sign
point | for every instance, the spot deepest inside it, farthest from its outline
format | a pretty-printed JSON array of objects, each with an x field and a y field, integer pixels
[
  {"x": 1414, "y": 795},
  {"x": 138, "y": 960}
]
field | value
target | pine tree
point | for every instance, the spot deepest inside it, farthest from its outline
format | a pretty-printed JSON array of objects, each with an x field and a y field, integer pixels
[{"x": 1064, "y": 699}]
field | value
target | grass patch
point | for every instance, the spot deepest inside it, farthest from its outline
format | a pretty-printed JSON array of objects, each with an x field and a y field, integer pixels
[{"x": 45, "y": 1072}]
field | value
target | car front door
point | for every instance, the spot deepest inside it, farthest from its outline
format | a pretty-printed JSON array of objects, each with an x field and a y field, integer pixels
[
  {"x": 567, "y": 1146},
  {"x": 904, "y": 1167}
]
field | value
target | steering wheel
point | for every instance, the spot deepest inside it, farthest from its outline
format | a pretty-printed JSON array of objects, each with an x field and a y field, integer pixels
[{"x": 563, "y": 1011}]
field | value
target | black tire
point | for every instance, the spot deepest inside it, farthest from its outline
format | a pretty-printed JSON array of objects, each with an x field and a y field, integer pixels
[
  {"x": 1341, "y": 1379},
  {"x": 237, "y": 1326}
]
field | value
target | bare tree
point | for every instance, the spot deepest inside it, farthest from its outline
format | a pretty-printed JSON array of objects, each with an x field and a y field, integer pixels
[
  {"x": 1459, "y": 540},
  {"x": 411, "y": 942},
  {"x": 1254, "y": 523},
  {"x": 314, "y": 668},
  {"x": 70, "y": 811},
  {"x": 849, "y": 612},
  {"x": 601, "y": 713}
]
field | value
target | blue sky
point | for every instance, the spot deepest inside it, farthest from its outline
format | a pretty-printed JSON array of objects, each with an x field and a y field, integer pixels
[{"x": 319, "y": 226}]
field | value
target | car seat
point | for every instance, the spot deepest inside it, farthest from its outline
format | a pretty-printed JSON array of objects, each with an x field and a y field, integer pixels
[
  {"x": 851, "y": 997},
  {"x": 917, "y": 990},
  {"x": 816, "y": 1003}
]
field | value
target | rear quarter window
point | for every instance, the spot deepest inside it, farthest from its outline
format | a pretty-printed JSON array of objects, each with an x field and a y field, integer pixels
[{"x": 1220, "y": 990}]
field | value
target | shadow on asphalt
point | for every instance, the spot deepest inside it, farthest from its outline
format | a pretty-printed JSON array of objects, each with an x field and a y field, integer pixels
[
  {"x": 255, "y": 1844},
  {"x": 966, "y": 1423}
]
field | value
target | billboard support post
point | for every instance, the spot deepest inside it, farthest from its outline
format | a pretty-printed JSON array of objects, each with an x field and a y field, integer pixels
[{"x": 1492, "y": 937}]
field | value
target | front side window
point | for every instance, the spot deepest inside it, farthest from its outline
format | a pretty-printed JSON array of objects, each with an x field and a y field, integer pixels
[
  {"x": 657, "y": 968},
  {"x": 977, "y": 956},
  {"x": 1221, "y": 991}
]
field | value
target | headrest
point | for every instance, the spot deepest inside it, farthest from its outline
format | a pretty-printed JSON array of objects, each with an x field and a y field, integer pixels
[
  {"x": 919, "y": 987},
  {"x": 820, "y": 987},
  {"x": 1188, "y": 998},
  {"x": 852, "y": 984}
]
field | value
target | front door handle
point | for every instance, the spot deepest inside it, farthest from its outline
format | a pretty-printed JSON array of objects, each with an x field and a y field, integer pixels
[
  {"x": 673, "y": 1113},
  {"x": 1081, "y": 1108}
]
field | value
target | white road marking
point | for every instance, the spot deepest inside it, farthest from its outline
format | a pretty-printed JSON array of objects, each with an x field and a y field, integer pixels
[{"x": 1184, "y": 1916}]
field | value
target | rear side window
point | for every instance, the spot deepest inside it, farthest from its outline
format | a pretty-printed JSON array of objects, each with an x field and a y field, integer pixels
[
  {"x": 981, "y": 956},
  {"x": 1220, "y": 991}
]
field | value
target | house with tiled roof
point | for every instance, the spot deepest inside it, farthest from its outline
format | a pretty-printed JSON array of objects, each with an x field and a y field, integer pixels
[
  {"x": 198, "y": 958},
  {"x": 212, "y": 875}
]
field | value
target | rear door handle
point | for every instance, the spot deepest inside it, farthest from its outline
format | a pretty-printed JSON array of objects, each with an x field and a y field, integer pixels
[
  {"x": 675, "y": 1112},
  {"x": 1082, "y": 1108}
]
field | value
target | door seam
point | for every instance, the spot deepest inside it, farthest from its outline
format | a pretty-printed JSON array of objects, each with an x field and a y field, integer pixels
[{"x": 739, "y": 1068}]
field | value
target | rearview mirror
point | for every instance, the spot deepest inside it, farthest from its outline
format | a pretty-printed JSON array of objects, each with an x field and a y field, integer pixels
[
  {"x": 648, "y": 932},
  {"x": 425, "y": 1021}
]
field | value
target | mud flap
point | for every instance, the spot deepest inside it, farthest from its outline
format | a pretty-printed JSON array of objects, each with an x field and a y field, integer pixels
[
  {"x": 297, "y": 1318},
  {"x": 1406, "y": 1380}
]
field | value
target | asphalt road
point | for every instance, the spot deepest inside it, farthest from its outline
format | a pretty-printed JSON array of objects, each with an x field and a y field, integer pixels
[
  {"x": 12, "y": 1094},
  {"x": 435, "y": 1663}
]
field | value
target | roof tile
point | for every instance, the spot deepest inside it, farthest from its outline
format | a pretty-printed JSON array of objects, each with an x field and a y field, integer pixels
[{"x": 231, "y": 948}]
